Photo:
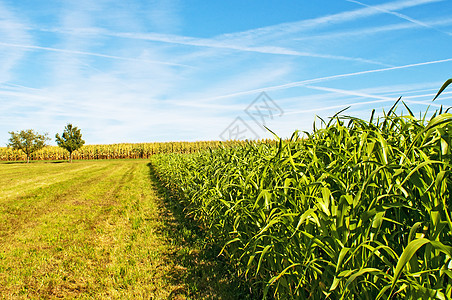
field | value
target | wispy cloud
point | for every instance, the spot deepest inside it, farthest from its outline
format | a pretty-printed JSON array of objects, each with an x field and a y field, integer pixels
[
  {"x": 11, "y": 30},
  {"x": 205, "y": 43},
  {"x": 164, "y": 15},
  {"x": 251, "y": 40},
  {"x": 247, "y": 41}
]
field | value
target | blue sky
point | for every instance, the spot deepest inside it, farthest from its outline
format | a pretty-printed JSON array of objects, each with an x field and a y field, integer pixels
[{"x": 144, "y": 71}]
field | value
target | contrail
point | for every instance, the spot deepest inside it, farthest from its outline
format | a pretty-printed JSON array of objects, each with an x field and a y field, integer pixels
[
  {"x": 402, "y": 16},
  {"x": 349, "y": 93},
  {"x": 326, "y": 78},
  {"x": 335, "y": 107},
  {"x": 365, "y": 95},
  {"x": 91, "y": 54},
  {"x": 347, "y": 16}
]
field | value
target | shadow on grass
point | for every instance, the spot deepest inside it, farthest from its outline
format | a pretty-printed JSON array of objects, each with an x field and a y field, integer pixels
[
  {"x": 16, "y": 162},
  {"x": 203, "y": 274}
]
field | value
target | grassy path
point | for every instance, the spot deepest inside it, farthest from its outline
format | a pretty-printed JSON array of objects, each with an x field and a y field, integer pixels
[{"x": 95, "y": 229}]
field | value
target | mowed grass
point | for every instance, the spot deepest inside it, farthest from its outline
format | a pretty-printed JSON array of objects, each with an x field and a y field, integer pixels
[{"x": 95, "y": 229}]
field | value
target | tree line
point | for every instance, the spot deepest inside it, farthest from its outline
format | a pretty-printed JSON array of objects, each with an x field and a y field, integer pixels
[{"x": 29, "y": 141}]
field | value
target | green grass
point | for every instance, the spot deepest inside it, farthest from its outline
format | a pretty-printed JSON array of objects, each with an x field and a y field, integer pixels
[{"x": 95, "y": 230}]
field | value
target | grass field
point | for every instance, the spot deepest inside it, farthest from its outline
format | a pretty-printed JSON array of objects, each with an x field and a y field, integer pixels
[{"x": 98, "y": 229}]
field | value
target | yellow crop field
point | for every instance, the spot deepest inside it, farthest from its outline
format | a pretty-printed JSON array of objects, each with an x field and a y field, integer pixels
[{"x": 118, "y": 151}]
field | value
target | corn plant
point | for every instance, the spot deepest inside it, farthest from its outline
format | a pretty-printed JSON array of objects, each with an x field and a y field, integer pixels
[
  {"x": 356, "y": 209},
  {"x": 118, "y": 151}
]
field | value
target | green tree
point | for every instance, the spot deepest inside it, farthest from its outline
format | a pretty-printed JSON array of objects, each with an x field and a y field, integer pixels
[
  {"x": 71, "y": 139},
  {"x": 28, "y": 141}
]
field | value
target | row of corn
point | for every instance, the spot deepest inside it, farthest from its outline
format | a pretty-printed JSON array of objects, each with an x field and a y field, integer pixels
[
  {"x": 355, "y": 210},
  {"x": 114, "y": 151}
]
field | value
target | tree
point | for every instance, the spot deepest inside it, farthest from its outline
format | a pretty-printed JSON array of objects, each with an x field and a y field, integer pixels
[
  {"x": 71, "y": 139},
  {"x": 28, "y": 141}
]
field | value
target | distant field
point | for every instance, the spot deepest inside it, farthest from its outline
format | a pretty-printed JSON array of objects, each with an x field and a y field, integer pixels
[
  {"x": 91, "y": 229},
  {"x": 117, "y": 151}
]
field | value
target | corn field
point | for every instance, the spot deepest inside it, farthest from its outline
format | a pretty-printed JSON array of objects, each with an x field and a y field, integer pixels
[
  {"x": 357, "y": 209},
  {"x": 114, "y": 151}
]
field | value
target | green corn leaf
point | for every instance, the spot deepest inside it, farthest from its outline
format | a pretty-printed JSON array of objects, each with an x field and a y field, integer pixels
[
  {"x": 408, "y": 253},
  {"x": 275, "y": 278},
  {"x": 445, "y": 85},
  {"x": 359, "y": 273},
  {"x": 413, "y": 231},
  {"x": 266, "y": 249}
]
